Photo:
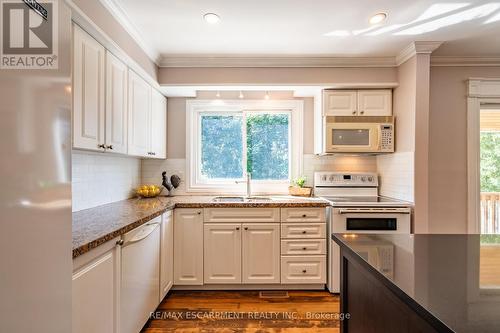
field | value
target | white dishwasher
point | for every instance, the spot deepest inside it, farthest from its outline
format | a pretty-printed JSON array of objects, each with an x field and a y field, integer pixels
[{"x": 140, "y": 282}]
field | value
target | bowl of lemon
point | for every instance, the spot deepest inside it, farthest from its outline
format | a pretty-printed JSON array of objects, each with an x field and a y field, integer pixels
[{"x": 148, "y": 191}]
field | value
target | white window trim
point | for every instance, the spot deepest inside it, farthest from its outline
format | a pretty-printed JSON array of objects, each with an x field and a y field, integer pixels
[
  {"x": 480, "y": 91},
  {"x": 195, "y": 107}
]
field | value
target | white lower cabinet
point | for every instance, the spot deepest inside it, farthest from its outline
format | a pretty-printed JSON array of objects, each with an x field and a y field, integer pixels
[
  {"x": 188, "y": 246},
  {"x": 96, "y": 290},
  {"x": 303, "y": 269},
  {"x": 222, "y": 253},
  {"x": 166, "y": 254},
  {"x": 261, "y": 253}
]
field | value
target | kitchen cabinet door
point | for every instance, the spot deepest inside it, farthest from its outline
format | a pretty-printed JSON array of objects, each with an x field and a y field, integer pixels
[
  {"x": 340, "y": 103},
  {"x": 139, "y": 116},
  {"x": 158, "y": 126},
  {"x": 261, "y": 253},
  {"x": 375, "y": 102},
  {"x": 95, "y": 292},
  {"x": 188, "y": 246},
  {"x": 166, "y": 254},
  {"x": 88, "y": 91},
  {"x": 222, "y": 253},
  {"x": 116, "y": 104}
]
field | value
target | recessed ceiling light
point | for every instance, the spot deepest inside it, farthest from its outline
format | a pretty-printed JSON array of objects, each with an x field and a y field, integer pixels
[
  {"x": 266, "y": 96},
  {"x": 211, "y": 18},
  {"x": 378, "y": 18}
]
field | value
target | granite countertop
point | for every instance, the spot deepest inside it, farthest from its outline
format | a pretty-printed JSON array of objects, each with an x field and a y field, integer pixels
[
  {"x": 455, "y": 278},
  {"x": 95, "y": 226}
]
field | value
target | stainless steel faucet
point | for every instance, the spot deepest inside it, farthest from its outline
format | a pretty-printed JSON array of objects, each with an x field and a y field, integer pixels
[{"x": 248, "y": 182}]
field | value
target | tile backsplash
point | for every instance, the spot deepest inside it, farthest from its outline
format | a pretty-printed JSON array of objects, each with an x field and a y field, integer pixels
[
  {"x": 98, "y": 179},
  {"x": 396, "y": 173}
]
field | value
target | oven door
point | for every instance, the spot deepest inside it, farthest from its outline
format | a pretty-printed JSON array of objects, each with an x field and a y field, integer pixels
[
  {"x": 371, "y": 220},
  {"x": 352, "y": 137}
]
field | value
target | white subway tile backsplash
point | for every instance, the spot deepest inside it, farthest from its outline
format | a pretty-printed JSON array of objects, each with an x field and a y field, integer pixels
[
  {"x": 98, "y": 179},
  {"x": 396, "y": 173}
]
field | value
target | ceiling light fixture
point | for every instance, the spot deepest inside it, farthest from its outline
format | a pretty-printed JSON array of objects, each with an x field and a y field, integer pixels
[
  {"x": 211, "y": 18},
  {"x": 378, "y": 18},
  {"x": 266, "y": 96},
  {"x": 241, "y": 96}
]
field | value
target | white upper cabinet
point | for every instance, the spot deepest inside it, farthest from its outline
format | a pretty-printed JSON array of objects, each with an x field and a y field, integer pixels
[
  {"x": 116, "y": 104},
  {"x": 375, "y": 102},
  {"x": 369, "y": 102},
  {"x": 139, "y": 116},
  {"x": 88, "y": 91},
  {"x": 340, "y": 102},
  {"x": 158, "y": 125}
]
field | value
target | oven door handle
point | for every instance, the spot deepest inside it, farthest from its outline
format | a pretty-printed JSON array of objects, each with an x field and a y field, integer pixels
[{"x": 371, "y": 211}]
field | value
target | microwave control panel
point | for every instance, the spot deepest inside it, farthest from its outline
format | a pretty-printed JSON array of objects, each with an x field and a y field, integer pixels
[{"x": 387, "y": 138}]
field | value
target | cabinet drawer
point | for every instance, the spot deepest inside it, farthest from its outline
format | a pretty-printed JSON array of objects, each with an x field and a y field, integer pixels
[
  {"x": 309, "y": 230},
  {"x": 303, "y": 246},
  {"x": 303, "y": 214},
  {"x": 303, "y": 269},
  {"x": 242, "y": 215}
]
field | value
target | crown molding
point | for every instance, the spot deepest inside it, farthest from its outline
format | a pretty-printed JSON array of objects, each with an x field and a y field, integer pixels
[
  {"x": 121, "y": 16},
  {"x": 417, "y": 47},
  {"x": 464, "y": 61},
  {"x": 274, "y": 61}
]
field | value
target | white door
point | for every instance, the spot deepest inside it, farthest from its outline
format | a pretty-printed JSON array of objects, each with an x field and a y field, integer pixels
[
  {"x": 222, "y": 253},
  {"x": 158, "y": 125},
  {"x": 261, "y": 253},
  {"x": 188, "y": 246},
  {"x": 88, "y": 91},
  {"x": 116, "y": 104},
  {"x": 340, "y": 102},
  {"x": 95, "y": 287},
  {"x": 139, "y": 116},
  {"x": 166, "y": 254},
  {"x": 375, "y": 102}
]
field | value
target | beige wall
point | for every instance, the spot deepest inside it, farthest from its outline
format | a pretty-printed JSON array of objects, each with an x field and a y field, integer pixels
[
  {"x": 448, "y": 146},
  {"x": 270, "y": 76},
  {"x": 106, "y": 22}
]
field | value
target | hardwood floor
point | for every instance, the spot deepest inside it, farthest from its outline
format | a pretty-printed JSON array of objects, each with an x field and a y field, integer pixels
[{"x": 245, "y": 311}]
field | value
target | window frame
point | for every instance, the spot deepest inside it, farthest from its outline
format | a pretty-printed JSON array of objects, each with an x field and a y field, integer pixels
[{"x": 196, "y": 108}]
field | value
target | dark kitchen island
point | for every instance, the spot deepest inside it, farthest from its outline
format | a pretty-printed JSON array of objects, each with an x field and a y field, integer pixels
[{"x": 420, "y": 283}]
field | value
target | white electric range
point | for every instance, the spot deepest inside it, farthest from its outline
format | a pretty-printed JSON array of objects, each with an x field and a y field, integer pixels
[{"x": 358, "y": 209}]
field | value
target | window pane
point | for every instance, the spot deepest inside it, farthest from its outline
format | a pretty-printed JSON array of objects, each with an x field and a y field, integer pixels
[
  {"x": 221, "y": 146},
  {"x": 268, "y": 146}
]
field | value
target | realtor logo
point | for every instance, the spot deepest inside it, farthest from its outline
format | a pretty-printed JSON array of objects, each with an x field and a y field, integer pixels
[{"x": 29, "y": 34}]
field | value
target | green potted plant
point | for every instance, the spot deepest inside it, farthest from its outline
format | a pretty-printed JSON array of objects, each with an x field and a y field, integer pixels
[{"x": 298, "y": 187}]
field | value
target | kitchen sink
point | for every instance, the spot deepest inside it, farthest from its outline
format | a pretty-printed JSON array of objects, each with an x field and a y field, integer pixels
[{"x": 240, "y": 199}]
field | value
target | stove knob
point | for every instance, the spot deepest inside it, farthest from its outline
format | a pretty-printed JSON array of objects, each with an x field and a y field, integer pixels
[
  {"x": 331, "y": 178},
  {"x": 363, "y": 179},
  {"x": 370, "y": 179},
  {"x": 323, "y": 178}
]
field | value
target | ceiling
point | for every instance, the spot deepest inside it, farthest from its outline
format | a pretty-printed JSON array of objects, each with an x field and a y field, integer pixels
[{"x": 311, "y": 28}]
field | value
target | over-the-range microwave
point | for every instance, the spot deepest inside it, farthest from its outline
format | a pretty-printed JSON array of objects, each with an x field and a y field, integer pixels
[{"x": 360, "y": 134}]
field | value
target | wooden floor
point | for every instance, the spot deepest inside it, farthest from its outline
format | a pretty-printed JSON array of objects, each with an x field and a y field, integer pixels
[{"x": 245, "y": 311}]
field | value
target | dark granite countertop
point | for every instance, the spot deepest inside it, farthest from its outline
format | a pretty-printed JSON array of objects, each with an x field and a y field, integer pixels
[
  {"x": 456, "y": 278},
  {"x": 95, "y": 226}
]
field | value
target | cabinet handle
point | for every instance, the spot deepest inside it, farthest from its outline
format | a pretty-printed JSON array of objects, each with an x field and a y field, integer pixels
[
  {"x": 362, "y": 112},
  {"x": 304, "y": 248},
  {"x": 110, "y": 147},
  {"x": 304, "y": 271},
  {"x": 120, "y": 242},
  {"x": 101, "y": 146},
  {"x": 304, "y": 232},
  {"x": 304, "y": 215},
  {"x": 354, "y": 112},
  {"x": 246, "y": 228},
  {"x": 237, "y": 228}
]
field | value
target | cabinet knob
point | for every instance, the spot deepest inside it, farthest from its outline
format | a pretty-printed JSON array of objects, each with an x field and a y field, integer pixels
[
  {"x": 362, "y": 112},
  {"x": 101, "y": 146},
  {"x": 120, "y": 242},
  {"x": 110, "y": 147},
  {"x": 199, "y": 213},
  {"x": 246, "y": 228},
  {"x": 304, "y": 215},
  {"x": 304, "y": 271},
  {"x": 237, "y": 228},
  {"x": 304, "y": 248},
  {"x": 304, "y": 232},
  {"x": 353, "y": 112}
]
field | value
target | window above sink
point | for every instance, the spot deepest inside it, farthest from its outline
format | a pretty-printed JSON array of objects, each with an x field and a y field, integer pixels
[{"x": 227, "y": 139}]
